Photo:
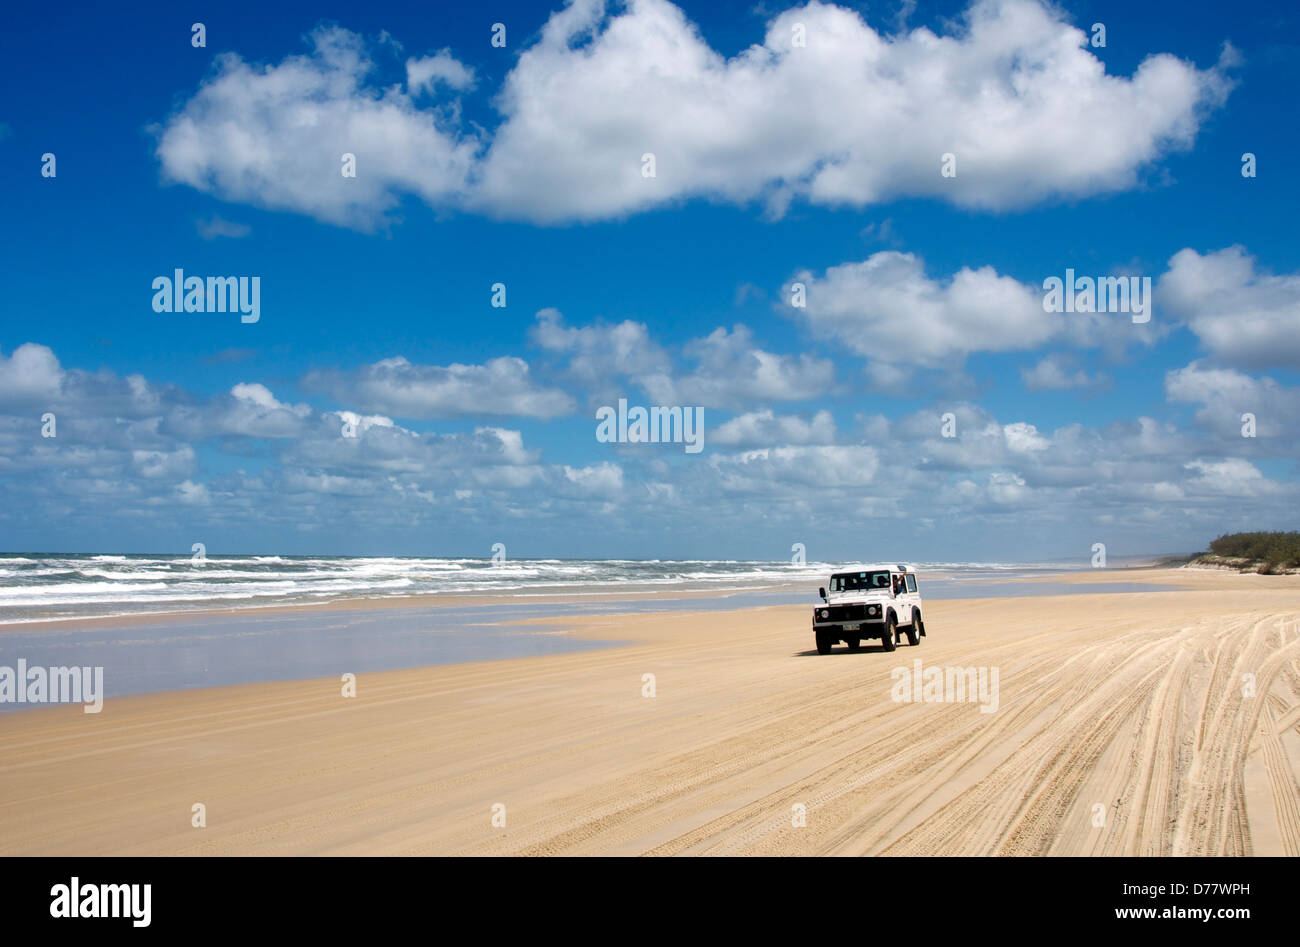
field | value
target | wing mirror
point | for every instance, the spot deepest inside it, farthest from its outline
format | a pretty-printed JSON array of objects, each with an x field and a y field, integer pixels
[{"x": 822, "y": 593}]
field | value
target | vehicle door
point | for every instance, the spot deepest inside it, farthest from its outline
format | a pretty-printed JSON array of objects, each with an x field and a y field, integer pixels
[
  {"x": 912, "y": 595},
  {"x": 902, "y": 604}
]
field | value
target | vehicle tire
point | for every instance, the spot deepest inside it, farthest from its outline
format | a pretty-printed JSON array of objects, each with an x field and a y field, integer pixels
[
  {"x": 854, "y": 644},
  {"x": 913, "y": 630},
  {"x": 919, "y": 624},
  {"x": 823, "y": 643},
  {"x": 890, "y": 637}
]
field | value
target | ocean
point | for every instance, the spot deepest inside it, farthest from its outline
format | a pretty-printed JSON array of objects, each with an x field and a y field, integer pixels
[{"x": 38, "y": 587}]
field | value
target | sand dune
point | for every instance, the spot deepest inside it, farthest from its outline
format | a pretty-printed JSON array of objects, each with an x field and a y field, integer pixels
[{"x": 1137, "y": 703}]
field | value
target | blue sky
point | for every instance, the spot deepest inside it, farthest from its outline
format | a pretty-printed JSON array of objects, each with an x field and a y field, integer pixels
[{"x": 776, "y": 164}]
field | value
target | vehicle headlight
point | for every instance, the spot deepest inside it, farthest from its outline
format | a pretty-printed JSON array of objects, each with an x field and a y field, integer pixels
[
  {"x": 873, "y": 610},
  {"x": 823, "y": 613}
]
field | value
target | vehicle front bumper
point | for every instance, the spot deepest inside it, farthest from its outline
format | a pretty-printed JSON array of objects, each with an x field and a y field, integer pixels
[{"x": 853, "y": 621}]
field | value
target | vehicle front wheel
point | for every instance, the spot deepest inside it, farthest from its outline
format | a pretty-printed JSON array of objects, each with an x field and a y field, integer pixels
[
  {"x": 890, "y": 638},
  {"x": 824, "y": 643}
]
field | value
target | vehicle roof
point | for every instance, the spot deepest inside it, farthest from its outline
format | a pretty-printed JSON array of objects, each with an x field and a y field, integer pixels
[{"x": 876, "y": 567}]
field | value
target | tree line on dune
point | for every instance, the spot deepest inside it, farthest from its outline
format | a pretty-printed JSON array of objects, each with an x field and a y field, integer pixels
[{"x": 1269, "y": 551}]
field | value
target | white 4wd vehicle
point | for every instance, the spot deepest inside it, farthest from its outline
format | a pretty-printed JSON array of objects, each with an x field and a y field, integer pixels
[{"x": 869, "y": 602}]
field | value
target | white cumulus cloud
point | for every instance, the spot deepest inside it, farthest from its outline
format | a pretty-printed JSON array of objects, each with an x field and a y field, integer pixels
[
  {"x": 275, "y": 136},
  {"x": 855, "y": 116},
  {"x": 1244, "y": 316},
  {"x": 397, "y": 387}
]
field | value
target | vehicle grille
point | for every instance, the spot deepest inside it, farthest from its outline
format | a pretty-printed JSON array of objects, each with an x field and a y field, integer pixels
[{"x": 848, "y": 612}]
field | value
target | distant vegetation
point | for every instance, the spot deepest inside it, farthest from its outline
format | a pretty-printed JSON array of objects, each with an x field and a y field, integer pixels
[{"x": 1254, "y": 552}]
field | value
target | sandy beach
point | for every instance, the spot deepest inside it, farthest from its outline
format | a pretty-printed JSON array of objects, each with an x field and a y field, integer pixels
[{"x": 1149, "y": 723}]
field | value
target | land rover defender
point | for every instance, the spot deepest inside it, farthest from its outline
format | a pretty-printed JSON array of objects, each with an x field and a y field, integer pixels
[{"x": 872, "y": 601}]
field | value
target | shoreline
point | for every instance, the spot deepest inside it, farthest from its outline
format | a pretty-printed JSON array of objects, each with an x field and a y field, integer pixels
[
  {"x": 202, "y": 649},
  {"x": 1138, "y": 572},
  {"x": 420, "y": 600}
]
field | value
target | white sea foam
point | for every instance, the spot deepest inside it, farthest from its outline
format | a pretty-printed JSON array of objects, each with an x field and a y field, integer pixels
[{"x": 62, "y": 586}]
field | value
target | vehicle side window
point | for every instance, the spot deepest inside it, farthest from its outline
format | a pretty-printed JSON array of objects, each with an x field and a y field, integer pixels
[{"x": 911, "y": 582}]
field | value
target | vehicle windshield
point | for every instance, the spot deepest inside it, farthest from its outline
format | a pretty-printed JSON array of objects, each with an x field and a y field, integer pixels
[{"x": 859, "y": 581}]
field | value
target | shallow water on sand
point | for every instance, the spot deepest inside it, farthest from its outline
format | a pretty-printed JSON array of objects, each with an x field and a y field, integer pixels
[{"x": 210, "y": 650}]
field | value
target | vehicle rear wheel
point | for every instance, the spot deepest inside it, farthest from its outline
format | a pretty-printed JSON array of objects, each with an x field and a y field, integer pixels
[
  {"x": 890, "y": 638},
  {"x": 919, "y": 625},
  {"x": 824, "y": 643},
  {"x": 913, "y": 634},
  {"x": 853, "y": 643}
]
